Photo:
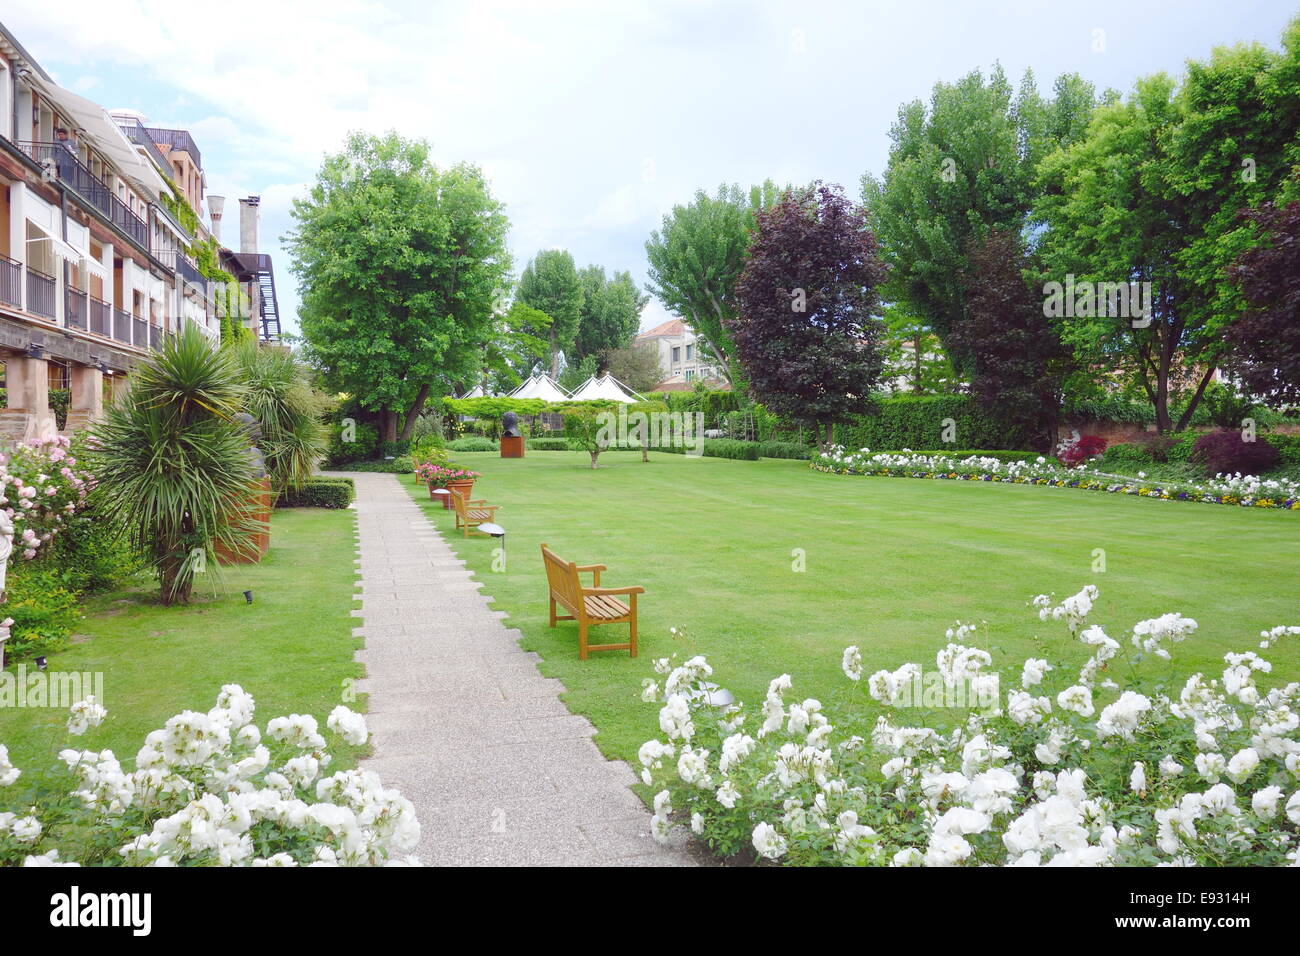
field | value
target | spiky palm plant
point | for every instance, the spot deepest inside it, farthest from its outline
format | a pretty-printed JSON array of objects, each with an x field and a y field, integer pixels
[
  {"x": 279, "y": 395},
  {"x": 172, "y": 464}
]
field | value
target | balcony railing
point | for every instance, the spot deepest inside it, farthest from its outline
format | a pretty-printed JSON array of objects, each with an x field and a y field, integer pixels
[
  {"x": 41, "y": 293},
  {"x": 75, "y": 175},
  {"x": 76, "y": 310},
  {"x": 177, "y": 139},
  {"x": 101, "y": 316},
  {"x": 141, "y": 333},
  {"x": 121, "y": 325},
  {"x": 188, "y": 270},
  {"x": 11, "y": 281}
]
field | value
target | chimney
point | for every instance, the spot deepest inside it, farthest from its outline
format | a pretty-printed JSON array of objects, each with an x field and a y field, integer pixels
[
  {"x": 216, "y": 204},
  {"x": 248, "y": 223}
]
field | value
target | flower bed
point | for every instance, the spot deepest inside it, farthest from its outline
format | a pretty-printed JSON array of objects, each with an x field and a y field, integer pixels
[
  {"x": 209, "y": 790},
  {"x": 1242, "y": 490},
  {"x": 1070, "y": 767}
]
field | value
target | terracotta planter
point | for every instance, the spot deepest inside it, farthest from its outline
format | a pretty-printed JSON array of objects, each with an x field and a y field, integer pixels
[
  {"x": 463, "y": 488},
  {"x": 445, "y": 499},
  {"x": 257, "y": 541}
]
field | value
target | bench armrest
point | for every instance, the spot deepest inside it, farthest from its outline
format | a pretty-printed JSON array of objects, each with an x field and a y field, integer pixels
[
  {"x": 635, "y": 589},
  {"x": 592, "y": 567}
]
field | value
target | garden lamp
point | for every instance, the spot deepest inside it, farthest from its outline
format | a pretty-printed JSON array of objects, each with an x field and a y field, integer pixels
[{"x": 499, "y": 533}]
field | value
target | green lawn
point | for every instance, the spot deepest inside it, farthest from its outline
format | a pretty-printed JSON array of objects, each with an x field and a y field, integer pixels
[
  {"x": 291, "y": 648},
  {"x": 890, "y": 564}
]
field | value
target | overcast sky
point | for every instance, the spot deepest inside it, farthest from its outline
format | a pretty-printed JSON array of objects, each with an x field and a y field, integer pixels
[{"x": 590, "y": 119}]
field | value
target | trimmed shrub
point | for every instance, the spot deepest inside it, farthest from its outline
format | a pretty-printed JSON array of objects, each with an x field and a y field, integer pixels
[
  {"x": 43, "y": 610},
  {"x": 471, "y": 443},
  {"x": 323, "y": 492},
  {"x": 1226, "y": 453},
  {"x": 363, "y": 449},
  {"x": 547, "y": 444},
  {"x": 393, "y": 449},
  {"x": 720, "y": 448},
  {"x": 917, "y": 421},
  {"x": 391, "y": 466},
  {"x": 1124, "y": 452},
  {"x": 783, "y": 449},
  {"x": 1288, "y": 449}
]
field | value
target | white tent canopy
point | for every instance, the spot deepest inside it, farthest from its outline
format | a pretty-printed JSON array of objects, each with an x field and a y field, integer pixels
[
  {"x": 606, "y": 387},
  {"x": 543, "y": 387},
  {"x": 475, "y": 392}
]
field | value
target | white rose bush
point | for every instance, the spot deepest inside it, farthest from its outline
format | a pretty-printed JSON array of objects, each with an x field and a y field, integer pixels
[
  {"x": 1067, "y": 766},
  {"x": 208, "y": 789}
]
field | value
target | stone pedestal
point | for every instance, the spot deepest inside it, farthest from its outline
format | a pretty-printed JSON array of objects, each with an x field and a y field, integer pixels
[
  {"x": 87, "y": 403},
  {"x": 255, "y": 545},
  {"x": 512, "y": 446}
]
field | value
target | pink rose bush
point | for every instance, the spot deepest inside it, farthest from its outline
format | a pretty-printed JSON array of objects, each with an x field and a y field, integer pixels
[{"x": 41, "y": 489}]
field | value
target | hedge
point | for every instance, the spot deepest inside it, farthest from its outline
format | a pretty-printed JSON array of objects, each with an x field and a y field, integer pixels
[
  {"x": 959, "y": 454},
  {"x": 1177, "y": 447},
  {"x": 322, "y": 492},
  {"x": 393, "y": 466},
  {"x": 547, "y": 444},
  {"x": 917, "y": 421},
  {"x": 472, "y": 443},
  {"x": 721, "y": 448},
  {"x": 784, "y": 449}
]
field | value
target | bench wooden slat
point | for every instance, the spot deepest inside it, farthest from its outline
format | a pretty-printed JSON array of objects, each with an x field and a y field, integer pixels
[{"x": 588, "y": 606}]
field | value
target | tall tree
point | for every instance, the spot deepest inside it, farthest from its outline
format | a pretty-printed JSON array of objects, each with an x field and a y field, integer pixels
[
  {"x": 806, "y": 332},
  {"x": 1151, "y": 194},
  {"x": 636, "y": 366},
  {"x": 914, "y": 357},
  {"x": 696, "y": 257},
  {"x": 957, "y": 169},
  {"x": 611, "y": 311},
  {"x": 398, "y": 264},
  {"x": 550, "y": 284},
  {"x": 1019, "y": 364},
  {"x": 1265, "y": 341}
]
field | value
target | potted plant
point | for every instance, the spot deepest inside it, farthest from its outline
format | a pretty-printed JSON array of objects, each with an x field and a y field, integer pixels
[
  {"x": 460, "y": 481},
  {"x": 435, "y": 476}
]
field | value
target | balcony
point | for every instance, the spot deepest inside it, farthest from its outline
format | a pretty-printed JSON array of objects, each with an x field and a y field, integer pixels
[
  {"x": 141, "y": 333},
  {"x": 73, "y": 174},
  {"x": 11, "y": 282},
  {"x": 187, "y": 269},
  {"x": 122, "y": 326},
  {"x": 177, "y": 139},
  {"x": 76, "y": 309},
  {"x": 101, "y": 317},
  {"x": 41, "y": 294}
]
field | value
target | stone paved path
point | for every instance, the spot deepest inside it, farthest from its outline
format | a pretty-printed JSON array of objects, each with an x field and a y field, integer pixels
[{"x": 499, "y": 770}]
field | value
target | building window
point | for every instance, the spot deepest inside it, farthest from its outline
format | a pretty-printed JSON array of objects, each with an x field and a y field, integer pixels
[
  {"x": 677, "y": 355},
  {"x": 57, "y": 376},
  {"x": 690, "y": 374},
  {"x": 690, "y": 352}
]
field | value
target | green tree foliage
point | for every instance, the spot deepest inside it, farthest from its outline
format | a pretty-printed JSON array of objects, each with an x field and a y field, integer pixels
[
  {"x": 173, "y": 466},
  {"x": 914, "y": 355},
  {"x": 517, "y": 344},
  {"x": 806, "y": 334},
  {"x": 1152, "y": 194},
  {"x": 636, "y": 366},
  {"x": 611, "y": 311},
  {"x": 550, "y": 284},
  {"x": 696, "y": 257},
  {"x": 958, "y": 168},
  {"x": 399, "y": 263}
]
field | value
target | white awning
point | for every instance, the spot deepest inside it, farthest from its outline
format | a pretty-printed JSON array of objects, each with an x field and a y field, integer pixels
[
  {"x": 540, "y": 386},
  {"x": 104, "y": 134},
  {"x": 606, "y": 387},
  {"x": 61, "y": 249}
]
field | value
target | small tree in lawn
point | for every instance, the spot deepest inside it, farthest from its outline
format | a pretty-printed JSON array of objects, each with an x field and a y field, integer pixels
[
  {"x": 1265, "y": 341},
  {"x": 807, "y": 334},
  {"x": 587, "y": 425}
]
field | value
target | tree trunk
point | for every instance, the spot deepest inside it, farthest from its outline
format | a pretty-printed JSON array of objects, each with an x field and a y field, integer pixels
[
  {"x": 1186, "y": 418},
  {"x": 594, "y": 456},
  {"x": 409, "y": 425},
  {"x": 388, "y": 425}
]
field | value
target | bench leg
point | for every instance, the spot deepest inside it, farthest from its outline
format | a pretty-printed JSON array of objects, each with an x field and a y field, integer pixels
[
  {"x": 552, "y": 612},
  {"x": 631, "y": 632},
  {"x": 582, "y": 640}
]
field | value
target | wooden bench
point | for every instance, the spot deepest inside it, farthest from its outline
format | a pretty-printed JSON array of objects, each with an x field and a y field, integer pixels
[
  {"x": 589, "y": 606},
  {"x": 472, "y": 512}
]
